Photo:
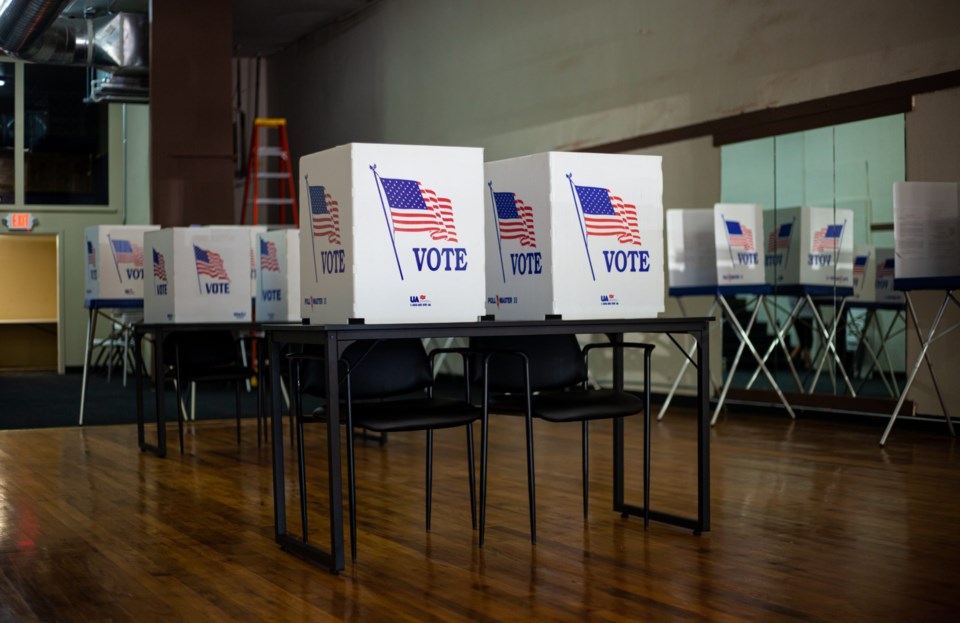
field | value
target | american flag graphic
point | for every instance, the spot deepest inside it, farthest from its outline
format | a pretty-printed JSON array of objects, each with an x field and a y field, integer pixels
[
  {"x": 128, "y": 252},
  {"x": 91, "y": 255},
  {"x": 268, "y": 256},
  {"x": 605, "y": 214},
  {"x": 210, "y": 263},
  {"x": 515, "y": 219},
  {"x": 740, "y": 235},
  {"x": 414, "y": 208},
  {"x": 324, "y": 214},
  {"x": 885, "y": 269},
  {"x": 159, "y": 266},
  {"x": 779, "y": 238},
  {"x": 860, "y": 265},
  {"x": 827, "y": 239}
]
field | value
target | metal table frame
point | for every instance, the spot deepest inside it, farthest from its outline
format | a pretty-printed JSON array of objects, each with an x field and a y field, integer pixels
[
  {"x": 159, "y": 331},
  {"x": 334, "y": 338},
  {"x": 96, "y": 308}
]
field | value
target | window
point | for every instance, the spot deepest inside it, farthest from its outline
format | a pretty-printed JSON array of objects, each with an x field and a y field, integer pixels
[
  {"x": 7, "y": 173},
  {"x": 65, "y": 139}
]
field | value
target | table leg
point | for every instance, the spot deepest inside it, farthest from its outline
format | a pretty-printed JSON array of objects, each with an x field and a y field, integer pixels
[{"x": 91, "y": 325}]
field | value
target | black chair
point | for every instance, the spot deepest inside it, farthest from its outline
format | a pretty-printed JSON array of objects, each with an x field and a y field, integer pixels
[
  {"x": 387, "y": 386},
  {"x": 206, "y": 356},
  {"x": 546, "y": 377}
]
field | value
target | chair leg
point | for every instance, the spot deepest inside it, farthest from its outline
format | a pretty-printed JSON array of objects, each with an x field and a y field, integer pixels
[
  {"x": 473, "y": 478},
  {"x": 585, "y": 441},
  {"x": 429, "y": 474}
]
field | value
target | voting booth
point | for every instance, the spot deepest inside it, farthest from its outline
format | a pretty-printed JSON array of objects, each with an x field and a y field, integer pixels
[
  {"x": 885, "y": 273},
  {"x": 719, "y": 252},
  {"x": 926, "y": 225},
  {"x": 197, "y": 274},
  {"x": 113, "y": 268},
  {"x": 278, "y": 275},
  {"x": 864, "y": 274},
  {"x": 392, "y": 234},
  {"x": 811, "y": 247},
  {"x": 574, "y": 235}
]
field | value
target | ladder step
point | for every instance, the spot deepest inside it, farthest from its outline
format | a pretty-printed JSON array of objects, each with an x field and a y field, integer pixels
[
  {"x": 271, "y": 151},
  {"x": 274, "y": 202},
  {"x": 273, "y": 176}
]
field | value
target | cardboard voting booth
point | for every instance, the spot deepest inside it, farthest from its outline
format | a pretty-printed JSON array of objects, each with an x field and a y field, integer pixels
[
  {"x": 864, "y": 273},
  {"x": 812, "y": 247},
  {"x": 196, "y": 274},
  {"x": 574, "y": 235},
  {"x": 886, "y": 266},
  {"x": 711, "y": 248},
  {"x": 278, "y": 275},
  {"x": 926, "y": 227},
  {"x": 392, "y": 234},
  {"x": 113, "y": 268}
]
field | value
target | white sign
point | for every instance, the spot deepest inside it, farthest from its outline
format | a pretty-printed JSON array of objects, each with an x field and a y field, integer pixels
[
  {"x": 252, "y": 232},
  {"x": 810, "y": 247},
  {"x": 926, "y": 226},
  {"x": 197, "y": 274},
  {"x": 113, "y": 261},
  {"x": 392, "y": 234},
  {"x": 574, "y": 235},
  {"x": 738, "y": 240}
]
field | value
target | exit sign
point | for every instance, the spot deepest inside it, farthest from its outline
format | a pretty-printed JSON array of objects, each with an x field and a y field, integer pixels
[{"x": 20, "y": 221}]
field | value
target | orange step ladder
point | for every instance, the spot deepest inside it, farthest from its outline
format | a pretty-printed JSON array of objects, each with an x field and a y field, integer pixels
[{"x": 284, "y": 173}]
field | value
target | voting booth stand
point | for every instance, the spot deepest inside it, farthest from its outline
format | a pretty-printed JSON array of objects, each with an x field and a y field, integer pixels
[
  {"x": 391, "y": 234},
  {"x": 574, "y": 236},
  {"x": 810, "y": 256},
  {"x": 872, "y": 330},
  {"x": 113, "y": 289},
  {"x": 926, "y": 225},
  {"x": 719, "y": 253}
]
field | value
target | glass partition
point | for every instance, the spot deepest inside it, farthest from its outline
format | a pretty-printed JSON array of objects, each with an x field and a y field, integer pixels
[{"x": 846, "y": 338}]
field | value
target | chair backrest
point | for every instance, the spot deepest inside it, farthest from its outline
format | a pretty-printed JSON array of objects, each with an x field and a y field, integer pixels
[
  {"x": 378, "y": 369},
  {"x": 201, "y": 349},
  {"x": 556, "y": 362}
]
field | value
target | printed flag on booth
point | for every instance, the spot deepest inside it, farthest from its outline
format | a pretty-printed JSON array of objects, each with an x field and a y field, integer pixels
[
  {"x": 827, "y": 239},
  {"x": 159, "y": 266},
  {"x": 414, "y": 208},
  {"x": 210, "y": 263},
  {"x": 740, "y": 236},
  {"x": 605, "y": 214},
  {"x": 128, "y": 252},
  {"x": 91, "y": 255},
  {"x": 324, "y": 214},
  {"x": 779, "y": 238},
  {"x": 268, "y": 256},
  {"x": 514, "y": 219}
]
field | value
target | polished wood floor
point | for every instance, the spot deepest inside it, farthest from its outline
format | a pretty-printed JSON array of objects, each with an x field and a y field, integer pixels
[{"x": 811, "y": 521}]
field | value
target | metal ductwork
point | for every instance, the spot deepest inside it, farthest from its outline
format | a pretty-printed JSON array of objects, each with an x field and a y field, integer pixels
[{"x": 115, "y": 46}]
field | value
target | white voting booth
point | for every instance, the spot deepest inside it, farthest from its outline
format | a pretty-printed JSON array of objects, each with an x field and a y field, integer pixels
[
  {"x": 810, "y": 256},
  {"x": 252, "y": 231},
  {"x": 885, "y": 272},
  {"x": 113, "y": 280},
  {"x": 574, "y": 235},
  {"x": 197, "y": 274},
  {"x": 720, "y": 253},
  {"x": 392, "y": 234},
  {"x": 278, "y": 275},
  {"x": 926, "y": 227}
]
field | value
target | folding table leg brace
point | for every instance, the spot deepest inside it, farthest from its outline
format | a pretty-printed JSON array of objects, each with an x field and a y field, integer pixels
[
  {"x": 744, "y": 336},
  {"x": 688, "y": 359},
  {"x": 781, "y": 332},
  {"x": 830, "y": 346},
  {"x": 949, "y": 296}
]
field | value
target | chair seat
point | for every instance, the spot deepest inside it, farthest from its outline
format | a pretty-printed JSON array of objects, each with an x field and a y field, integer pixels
[
  {"x": 409, "y": 415},
  {"x": 575, "y": 406}
]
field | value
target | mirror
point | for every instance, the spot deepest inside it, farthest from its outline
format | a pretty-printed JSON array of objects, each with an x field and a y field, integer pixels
[{"x": 848, "y": 170}]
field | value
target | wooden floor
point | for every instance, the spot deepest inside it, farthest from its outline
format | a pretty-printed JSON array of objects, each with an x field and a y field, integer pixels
[{"x": 811, "y": 521}]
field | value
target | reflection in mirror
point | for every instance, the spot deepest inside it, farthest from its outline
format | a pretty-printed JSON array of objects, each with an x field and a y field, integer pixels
[{"x": 842, "y": 323}]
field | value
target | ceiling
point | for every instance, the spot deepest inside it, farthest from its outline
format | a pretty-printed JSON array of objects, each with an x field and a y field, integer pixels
[{"x": 259, "y": 28}]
